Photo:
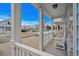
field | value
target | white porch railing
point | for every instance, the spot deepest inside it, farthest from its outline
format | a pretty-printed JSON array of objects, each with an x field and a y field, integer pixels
[
  {"x": 23, "y": 50},
  {"x": 47, "y": 37}
]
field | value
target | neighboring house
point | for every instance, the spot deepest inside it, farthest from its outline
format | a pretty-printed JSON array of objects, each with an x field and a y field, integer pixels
[{"x": 5, "y": 25}]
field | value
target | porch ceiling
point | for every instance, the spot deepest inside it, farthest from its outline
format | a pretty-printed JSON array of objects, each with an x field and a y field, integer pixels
[{"x": 54, "y": 12}]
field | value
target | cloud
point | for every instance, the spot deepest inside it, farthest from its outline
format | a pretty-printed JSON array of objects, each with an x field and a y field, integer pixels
[
  {"x": 29, "y": 22},
  {"x": 3, "y": 17}
]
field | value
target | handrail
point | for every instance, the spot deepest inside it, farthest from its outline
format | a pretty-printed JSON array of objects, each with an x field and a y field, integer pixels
[
  {"x": 32, "y": 50},
  {"x": 47, "y": 32}
]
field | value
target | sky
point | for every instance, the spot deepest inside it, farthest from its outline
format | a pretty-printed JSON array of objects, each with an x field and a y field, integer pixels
[
  {"x": 29, "y": 14},
  {"x": 5, "y": 11}
]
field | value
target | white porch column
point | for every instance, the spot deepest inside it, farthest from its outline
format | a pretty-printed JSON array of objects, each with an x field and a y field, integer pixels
[
  {"x": 67, "y": 35},
  {"x": 15, "y": 25},
  {"x": 52, "y": 28},
  {"x": 41, "y": 29},
  {"x": 65, "y": 32},
  {"x": 76, "y": 29},
  {"x": 68, "y": 32}
]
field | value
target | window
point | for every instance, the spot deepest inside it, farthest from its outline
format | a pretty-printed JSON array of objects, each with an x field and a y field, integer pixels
[{"x": 8, "y": 29}]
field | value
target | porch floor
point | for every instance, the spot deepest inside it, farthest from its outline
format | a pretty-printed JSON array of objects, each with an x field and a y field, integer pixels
[
  {"x": 50, "y": 48},
  {"x": 5, "y": 48}
]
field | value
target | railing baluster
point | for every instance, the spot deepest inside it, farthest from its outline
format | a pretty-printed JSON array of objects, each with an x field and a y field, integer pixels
[
  {"x": 27, "y": 53},
  {"x": 20, "y": 52},
  {"x": 16, "y": 51},
  {"x": 23, "y": 52}
]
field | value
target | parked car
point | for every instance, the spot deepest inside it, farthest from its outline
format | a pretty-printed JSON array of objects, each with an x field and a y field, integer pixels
[{"x": 23, "y": 30}]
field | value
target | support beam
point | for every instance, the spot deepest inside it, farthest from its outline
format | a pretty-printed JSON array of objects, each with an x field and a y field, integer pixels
[
  {"x": 15, "y": 25},
  {"x": 41, "y": 29}
]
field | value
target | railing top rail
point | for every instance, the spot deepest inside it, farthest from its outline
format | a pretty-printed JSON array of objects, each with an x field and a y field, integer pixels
[
  {"x": 47, "y": 32},
  {"x": 38, "y": 52}
]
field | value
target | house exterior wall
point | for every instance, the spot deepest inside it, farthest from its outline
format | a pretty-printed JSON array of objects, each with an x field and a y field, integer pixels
[{"x": 5, "y": 26}]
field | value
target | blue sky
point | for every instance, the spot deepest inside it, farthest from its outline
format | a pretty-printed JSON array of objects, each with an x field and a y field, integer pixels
[
  {"x": 29, "y": 14},
  {"x": 5, "y": 11}
]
